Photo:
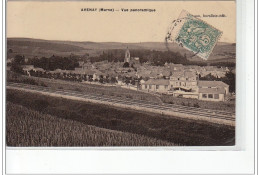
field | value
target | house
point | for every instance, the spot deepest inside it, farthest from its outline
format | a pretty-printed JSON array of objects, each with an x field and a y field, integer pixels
[
  {"x": 27, "y": 69},
  {"x": 61, "y": 72},
  {"x": 79, "y": 70},
  {"x": 124, "y": 70},
  {"x": 213, "y": 90},
  {"x": 156, "y": 85},
  {"x": 176, "y": 67},
  {"x": 135, "y": 61},
  {"x": 213, "y": 84},
  {"x": 212, "y": 94},
  {"x": 9, "y": 60},
  {"x": 81, "y": 63},
  {"x": 37, "y": 69},
  {"x": 166, "y": 73},
  {"x": 119, "y": 80},
  {"x": 184, "y": 79},
  {"x": 143, "y": 73},
  {"x": 186, "y": 84}
]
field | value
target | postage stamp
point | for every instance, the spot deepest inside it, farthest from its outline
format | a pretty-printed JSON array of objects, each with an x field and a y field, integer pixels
[{"x": 194, "y": 34}]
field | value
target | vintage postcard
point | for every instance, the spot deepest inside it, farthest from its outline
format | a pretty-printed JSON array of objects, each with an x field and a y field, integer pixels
[{"x": 123, "y": 73}]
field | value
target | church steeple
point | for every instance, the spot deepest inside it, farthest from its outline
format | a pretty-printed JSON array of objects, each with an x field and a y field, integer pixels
[{"x": 127, "y": 55}]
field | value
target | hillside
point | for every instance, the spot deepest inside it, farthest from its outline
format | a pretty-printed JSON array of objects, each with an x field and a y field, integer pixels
[
  {"x": 36, "y": 47},
  {"x": 51, "y": 130},
  {"x": 153, "y": 126}
]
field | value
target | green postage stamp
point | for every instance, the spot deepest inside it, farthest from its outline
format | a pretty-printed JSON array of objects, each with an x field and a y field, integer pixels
[{"x": 194, "y": 34}]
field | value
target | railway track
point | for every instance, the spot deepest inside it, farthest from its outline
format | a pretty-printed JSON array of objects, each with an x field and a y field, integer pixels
[{"x": 208, "y": 114}]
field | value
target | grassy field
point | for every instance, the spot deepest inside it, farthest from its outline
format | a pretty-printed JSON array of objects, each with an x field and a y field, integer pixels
[
  {"x": 26, "y": 127},
  {"x": 170, "y": 129},
  {"x": 87, "y": 88},
  {"x": 229, "y": 106}
]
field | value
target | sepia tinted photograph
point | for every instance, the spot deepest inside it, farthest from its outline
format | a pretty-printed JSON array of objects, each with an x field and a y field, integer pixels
[{"x": 120, "y": 74}]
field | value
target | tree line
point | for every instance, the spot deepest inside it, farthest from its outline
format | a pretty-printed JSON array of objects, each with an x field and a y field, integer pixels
[
  {"x": 55, "y": 62},
  {"x": 156, "y": 58}
]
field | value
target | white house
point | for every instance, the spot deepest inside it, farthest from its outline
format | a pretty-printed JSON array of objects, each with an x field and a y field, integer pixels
[
  {"x": 156, "y": 85},
  {"x": 212, "y": 94},
  {"x": 186, "y": 84},
  {"x": 214, "y": 84}
]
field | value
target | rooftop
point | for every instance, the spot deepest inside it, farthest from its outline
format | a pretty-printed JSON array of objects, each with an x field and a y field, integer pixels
[
  {"x": 212, "y": 84},
  {"x": 157, "y": 82},
  {"x": 212, "y": 90},
  {"x": 186, "y": 74}
]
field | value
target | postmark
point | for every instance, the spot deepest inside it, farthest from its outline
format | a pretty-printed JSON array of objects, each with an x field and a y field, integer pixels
[{"x": 193, "y": 34}]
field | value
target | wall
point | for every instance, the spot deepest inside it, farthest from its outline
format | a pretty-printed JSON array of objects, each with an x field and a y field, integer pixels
[
  {"x": 190, "y": 96},
  {"x": 161, "y": 88},
  {"x": 221, "y": 97},
  {"x": 227, "y": 90},
  {"x": 185, "y": 84}
]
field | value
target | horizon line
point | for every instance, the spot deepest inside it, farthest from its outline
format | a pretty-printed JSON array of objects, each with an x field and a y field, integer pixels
[{"x": 101, "y": 41}]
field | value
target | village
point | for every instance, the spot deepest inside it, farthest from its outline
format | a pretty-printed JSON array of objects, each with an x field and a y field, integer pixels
[
  {"x": 150, "y": 75},
  {"x": 171, "y": 79}
]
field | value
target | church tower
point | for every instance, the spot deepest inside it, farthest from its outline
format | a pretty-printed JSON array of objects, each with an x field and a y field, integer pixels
[{"x": 127, "y": 55}]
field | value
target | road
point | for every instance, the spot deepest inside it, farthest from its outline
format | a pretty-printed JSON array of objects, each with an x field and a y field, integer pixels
[{"x": 215, "y": 116}]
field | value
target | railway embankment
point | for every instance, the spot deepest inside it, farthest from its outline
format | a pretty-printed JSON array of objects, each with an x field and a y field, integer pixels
[{"x": 195, "y": 114}]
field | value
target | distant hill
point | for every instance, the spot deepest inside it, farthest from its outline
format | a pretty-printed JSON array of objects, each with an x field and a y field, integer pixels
[{"x": 223, "y": 52}]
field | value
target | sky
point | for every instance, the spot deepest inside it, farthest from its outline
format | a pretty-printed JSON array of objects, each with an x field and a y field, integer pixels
[{"x": 65, "y": 20}]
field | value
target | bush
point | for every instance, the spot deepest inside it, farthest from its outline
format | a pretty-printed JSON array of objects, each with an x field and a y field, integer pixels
[
  {"x": 196, "y": 105},
  {"x": 126, "y": 64},
  {"x": 129, "y": 96},
  {"x": 77, "y": 89},
  {"x": 43, "y": 84}
]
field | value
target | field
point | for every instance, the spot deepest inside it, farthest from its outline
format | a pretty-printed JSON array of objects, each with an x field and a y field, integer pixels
[
  {"x": 120, "y": 92},
  {"x": 37, "y": 47},
  {"x": 112, "y": 91},
  {"x": 26, "y": 127},
  {"x": 229, "y": 106},
  {"x": 159, "y": 127}
]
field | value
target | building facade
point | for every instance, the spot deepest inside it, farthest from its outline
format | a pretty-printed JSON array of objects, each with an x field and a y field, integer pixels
[
  {"x": 186, "y": 84},
  {"x": 212, "y": 94},
  {"x": 186, "y": 80},
  {"x": 156, "y": 85}
]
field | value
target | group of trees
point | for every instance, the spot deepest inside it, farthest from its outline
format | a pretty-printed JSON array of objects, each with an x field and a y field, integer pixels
[
  {"x": 16, "y": 64},
  {"x": 107, "y": 79},
  {"x": 48, "y": 64},
  {"x": 55, "y": 62},
  {"x": 157, "y": 58},
  {"x": 61, "y": 76},
  {"x": 79, "y": 78}
]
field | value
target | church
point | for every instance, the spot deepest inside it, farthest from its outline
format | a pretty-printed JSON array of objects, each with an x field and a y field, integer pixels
[
  {"x": 127, "y": 55},
  {"x": 128, "y": 61}
]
